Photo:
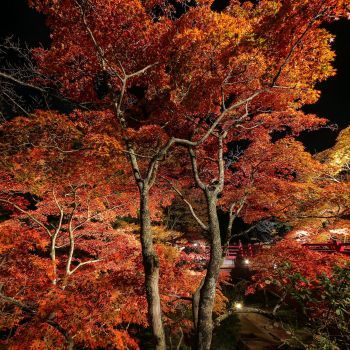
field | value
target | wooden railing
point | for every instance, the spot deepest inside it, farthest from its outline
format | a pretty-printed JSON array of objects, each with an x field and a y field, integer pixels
[
  {"x": 241, "y": 252},
  {"x": 329, "y": 247}
]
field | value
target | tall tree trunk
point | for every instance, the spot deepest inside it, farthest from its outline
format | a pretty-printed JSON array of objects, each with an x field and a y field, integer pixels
[
  {"x": 207, "y": 293},
  {"x": 151, "y": 266}
]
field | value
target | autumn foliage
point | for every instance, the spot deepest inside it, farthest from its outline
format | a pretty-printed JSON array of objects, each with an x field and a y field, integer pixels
[
  {"x": 316, "y": 284},
  {"x": 66, "y": 269},
  {"x": 171, "y": 98}
]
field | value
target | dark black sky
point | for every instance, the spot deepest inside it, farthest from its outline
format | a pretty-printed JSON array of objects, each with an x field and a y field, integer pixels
[
  {"x": 334, "y": 103},
  {"x": 18, "y": 20}
]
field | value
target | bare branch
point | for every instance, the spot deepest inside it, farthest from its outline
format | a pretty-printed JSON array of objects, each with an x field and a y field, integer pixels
[
  {"x": 28, "y": 214},
  {"x": 141, "y": 71},
  {"x": 71, "y": 234},
  {"x": 18, "y": 303},
  {"x": 15, "y": 103},
  {"x": 84, "y": 263},
  {"x": 54, "y": 238},
  {"x": 98, "y": 48},
  {"x": 195, "y": 169},
  {"x": 190, "y": 207},
  {"x": 20, "y": 82},
  {"x": 220, "y": 163},
  {"x": 178, "y": 347},
  {"x": 233, "y": 215}
]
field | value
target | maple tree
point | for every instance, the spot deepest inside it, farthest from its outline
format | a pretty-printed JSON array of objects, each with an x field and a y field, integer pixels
[
  {"x": 267, "y": 179},
  {"x": 64, "y": 212},
  {"x": 321, "y": 214},
  {"x": 195, "y": 80},
  {"x": 65, "y": 267}
]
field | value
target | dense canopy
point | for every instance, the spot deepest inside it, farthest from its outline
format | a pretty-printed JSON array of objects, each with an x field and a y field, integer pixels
[{"x": 166, "y": 100}]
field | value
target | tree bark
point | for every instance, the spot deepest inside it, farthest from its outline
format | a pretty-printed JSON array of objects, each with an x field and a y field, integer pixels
[
  {"x": 207, "y": 294},
  {"x": 195, "y": 304},
  {"x": 151, "y": 266}
]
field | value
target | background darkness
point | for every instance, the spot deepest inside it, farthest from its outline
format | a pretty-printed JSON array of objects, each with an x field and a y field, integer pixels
[{"x": 19, "y": 21}]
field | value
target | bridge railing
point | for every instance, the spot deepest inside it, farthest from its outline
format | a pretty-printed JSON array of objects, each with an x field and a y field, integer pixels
[
  {"x": 240, "y": 251},
  {"x": 233, "y": 252},
  {"x": 329, "y": 247}
]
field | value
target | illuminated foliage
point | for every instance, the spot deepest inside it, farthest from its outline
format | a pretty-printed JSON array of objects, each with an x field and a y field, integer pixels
[{"x": 170, "y": 91}]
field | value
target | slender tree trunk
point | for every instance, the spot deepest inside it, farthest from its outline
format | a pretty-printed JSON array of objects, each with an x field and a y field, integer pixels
[
  {"x": 53, "y": 259},
  {"x": 70, "y": 344},
  {"x": 207, "y": 293},
  {"x": 151, "y": 266},
  {"x": 195, "y": 304}
]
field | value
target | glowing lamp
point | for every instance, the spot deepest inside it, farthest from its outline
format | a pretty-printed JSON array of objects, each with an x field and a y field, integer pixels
[{"x": 238, "y": 306}]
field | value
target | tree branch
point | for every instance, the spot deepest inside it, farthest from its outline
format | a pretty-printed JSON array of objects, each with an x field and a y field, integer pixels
[
  {"x": 220, "y": 162},
  {"x": 84, "y": 263},
  {"x": 54, "y": 238},
  {"x": 233, "y": 215},
  {"x": 193, "y": 158},
  {"x": 190, "y": 207},
  {"x": 20, "y": 82},
  {"x": 26, "y": 213},
  {"x": 295, "y": 45}
]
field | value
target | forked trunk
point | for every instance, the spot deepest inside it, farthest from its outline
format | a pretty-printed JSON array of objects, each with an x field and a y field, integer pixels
[
  {"x": 151, "y": 266},
  {"x": 207, "y": 294}
]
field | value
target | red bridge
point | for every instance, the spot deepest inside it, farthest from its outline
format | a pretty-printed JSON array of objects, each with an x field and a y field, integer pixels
[
  {"x": 240, "y": 251},
  {"x": 329, "y": 247},
  {"x": 243, "y": 252}
]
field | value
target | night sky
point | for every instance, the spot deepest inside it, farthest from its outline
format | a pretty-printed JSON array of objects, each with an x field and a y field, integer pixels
[{"x": 17, "y": 20}]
